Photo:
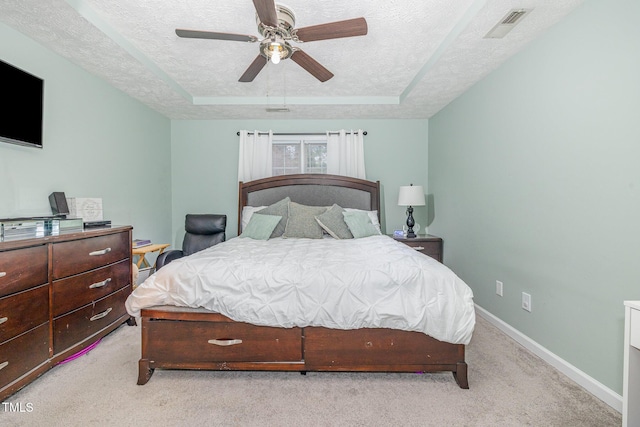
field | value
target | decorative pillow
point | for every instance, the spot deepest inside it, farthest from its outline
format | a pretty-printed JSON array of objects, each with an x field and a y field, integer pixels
[
  {"x": 373, "y": 215},
  {"x": 332, "y": 221},
  {"x": 261, "y": 226},
  {"x": 281, "y": 209},
  {"x": 302, "y": 221},
  {"x": 360, "y": 224},
  {"x": 247, "y": 211}
]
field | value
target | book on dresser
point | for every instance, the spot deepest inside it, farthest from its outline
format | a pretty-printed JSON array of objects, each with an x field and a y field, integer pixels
[{"x": 139, "y": 243}]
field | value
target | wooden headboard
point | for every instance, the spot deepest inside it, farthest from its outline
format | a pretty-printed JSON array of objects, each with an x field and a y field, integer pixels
[{"x": 311, "y": 190}]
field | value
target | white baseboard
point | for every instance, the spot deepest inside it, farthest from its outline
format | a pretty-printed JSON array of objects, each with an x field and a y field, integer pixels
[{"x": 593, "y": 386}]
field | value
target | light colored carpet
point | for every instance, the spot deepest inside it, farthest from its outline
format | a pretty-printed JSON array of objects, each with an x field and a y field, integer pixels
[{"x": 509, "y": 387}]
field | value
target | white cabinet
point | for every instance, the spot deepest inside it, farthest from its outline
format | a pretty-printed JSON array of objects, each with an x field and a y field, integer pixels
[{"x": 631, "y": 378}]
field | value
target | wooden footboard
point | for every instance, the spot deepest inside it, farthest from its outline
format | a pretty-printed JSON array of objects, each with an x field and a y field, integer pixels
[{"x": 182, "y": 338}]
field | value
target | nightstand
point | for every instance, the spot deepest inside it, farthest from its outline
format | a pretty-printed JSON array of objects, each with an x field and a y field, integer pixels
[{"x": 425, "y": 243}]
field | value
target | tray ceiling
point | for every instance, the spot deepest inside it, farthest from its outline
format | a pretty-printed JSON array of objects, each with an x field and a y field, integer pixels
[{"x": 417, "y": 57}]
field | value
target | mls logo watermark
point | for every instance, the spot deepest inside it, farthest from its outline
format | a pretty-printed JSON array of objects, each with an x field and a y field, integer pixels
[{"x": 17, "y": 407}]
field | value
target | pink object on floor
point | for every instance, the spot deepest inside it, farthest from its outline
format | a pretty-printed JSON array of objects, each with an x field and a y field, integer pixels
[{"x": 81, "y": 352}]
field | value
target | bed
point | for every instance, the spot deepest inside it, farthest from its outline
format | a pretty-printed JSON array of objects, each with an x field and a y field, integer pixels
[{"x": 235, "y": 324}]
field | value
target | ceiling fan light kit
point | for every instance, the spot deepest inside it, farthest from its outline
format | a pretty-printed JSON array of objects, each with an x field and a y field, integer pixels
[
  {"x": 276, "y": 24},
  {"x": 276, "y": 49}
]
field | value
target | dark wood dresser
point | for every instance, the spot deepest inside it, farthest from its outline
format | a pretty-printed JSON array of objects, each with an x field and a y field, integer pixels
[{"x": 59, "y": 295}]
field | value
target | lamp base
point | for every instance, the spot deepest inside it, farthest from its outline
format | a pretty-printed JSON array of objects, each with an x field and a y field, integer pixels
[{"x": 410, "y": 223}]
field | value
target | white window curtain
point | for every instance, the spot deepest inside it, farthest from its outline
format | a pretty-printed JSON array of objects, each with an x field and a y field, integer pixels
[
  {"x": 255, "y": 155},
  {"x": 345, "y": 153}
]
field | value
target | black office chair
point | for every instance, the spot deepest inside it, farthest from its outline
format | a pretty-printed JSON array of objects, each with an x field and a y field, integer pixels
[{"x": 201, "y": 231}]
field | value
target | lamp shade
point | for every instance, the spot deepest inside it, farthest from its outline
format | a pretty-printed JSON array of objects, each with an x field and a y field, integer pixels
[{"x": 411, "y": 195}]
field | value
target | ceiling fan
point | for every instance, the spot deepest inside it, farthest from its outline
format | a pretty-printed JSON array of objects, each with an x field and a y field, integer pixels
[{"x": 276, "y": 24}]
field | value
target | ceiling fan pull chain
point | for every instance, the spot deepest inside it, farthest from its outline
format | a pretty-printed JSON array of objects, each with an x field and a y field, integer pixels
[
  {"x": 269, "y": 94},
  {"x": 284, "y": 85}
]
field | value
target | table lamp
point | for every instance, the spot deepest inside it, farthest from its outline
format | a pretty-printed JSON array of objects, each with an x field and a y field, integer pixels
[{"x": 411, "y": 195}]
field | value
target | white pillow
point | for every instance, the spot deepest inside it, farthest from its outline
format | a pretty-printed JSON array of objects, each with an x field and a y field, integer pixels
[
  {"x": 247, "y": 211},
  {"x": 373, "y": 215}
]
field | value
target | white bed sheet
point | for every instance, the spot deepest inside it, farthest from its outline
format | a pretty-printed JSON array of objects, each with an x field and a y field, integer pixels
[{"x": 372, "y": 282}]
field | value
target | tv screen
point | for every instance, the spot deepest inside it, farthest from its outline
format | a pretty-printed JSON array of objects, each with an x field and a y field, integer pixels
[{"x": 21, "y": 94}]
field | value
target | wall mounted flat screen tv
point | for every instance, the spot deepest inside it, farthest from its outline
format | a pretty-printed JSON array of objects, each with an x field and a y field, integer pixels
[{"x": 21, "y": 95}]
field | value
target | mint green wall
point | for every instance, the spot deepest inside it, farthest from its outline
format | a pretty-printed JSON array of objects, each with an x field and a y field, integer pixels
[
  {"x": 535, "y": 176},
  {"x": 98, "y": 142},
  {"x": 205, "y": 163}
]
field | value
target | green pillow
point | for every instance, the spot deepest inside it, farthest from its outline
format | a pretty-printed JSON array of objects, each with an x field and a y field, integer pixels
[
  {"x": 332, "y": 221},
  {"x": 360, "y": 224},
  {"x": 281, "y": 209},
  {"x": 261, "y": 226},
  {"x": 302, "y": 221}
]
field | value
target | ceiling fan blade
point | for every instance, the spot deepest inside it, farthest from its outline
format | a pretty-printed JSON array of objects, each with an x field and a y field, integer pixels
[
  {"x": 333, "y": 30},
  {"x": 311, "y": 65},
  {"x": 266, "y": 10},
  {"x": 195, "y": 34},
  {"x": 256, "y": 66}
]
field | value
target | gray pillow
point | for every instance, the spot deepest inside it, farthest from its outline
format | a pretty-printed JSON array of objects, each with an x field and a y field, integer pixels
[
  {"x": 332, "y": 221},
  {"x": 261, "y": 226},
  {"x": 302, "y": 221},
  {"x": 360, "y": 224},
  {"x": 280, "y": 209}
]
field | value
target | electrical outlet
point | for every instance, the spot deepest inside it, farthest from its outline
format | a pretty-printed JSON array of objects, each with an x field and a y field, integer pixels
[
  {"x": 499, "y": 287},
  {"x": 526, "y": 301}
]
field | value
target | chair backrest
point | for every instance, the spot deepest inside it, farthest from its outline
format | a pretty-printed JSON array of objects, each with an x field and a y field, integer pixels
[{"x": 203, "y": 231}]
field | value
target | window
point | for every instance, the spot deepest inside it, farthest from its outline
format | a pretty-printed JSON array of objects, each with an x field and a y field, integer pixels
[
  {"x": 293, "y": 154},
  {"x": 267, "y": 154}
]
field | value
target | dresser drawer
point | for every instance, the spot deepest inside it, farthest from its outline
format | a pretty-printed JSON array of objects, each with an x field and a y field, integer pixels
[
  {"x": 76, "y": 291},
  {"x": 23, "y": 311},
  {"x": 431, "y": 249},
  {"x": 23, "y": 353},
  {"x": 22, "y": 269},
  {"x": 198, "y": 342},
  {"x": 74, "y": 327},
  {"x": 426, "y": 244},
  {"x": 83, "y": 255}
]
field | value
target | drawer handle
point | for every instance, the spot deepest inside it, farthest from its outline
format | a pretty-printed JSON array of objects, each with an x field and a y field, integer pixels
[
  {"x": 225, "y": 342},
  {"x": 3, "y": 319},
  {"x": 100, "y": 284},
  {"x": 102, "y": 252},
  {"x": 101, "y": 315},
  {"x": 418, "y": 248},
  {"x": 3, "y": 273},
  {"x": 4, "y": 365}
]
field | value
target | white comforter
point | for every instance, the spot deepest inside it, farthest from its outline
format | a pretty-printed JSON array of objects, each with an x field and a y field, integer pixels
[{"x": 340, "y": 284}]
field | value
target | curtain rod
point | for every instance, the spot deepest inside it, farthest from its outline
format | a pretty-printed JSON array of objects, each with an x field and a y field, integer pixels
[{"x": 300, "y": 133}]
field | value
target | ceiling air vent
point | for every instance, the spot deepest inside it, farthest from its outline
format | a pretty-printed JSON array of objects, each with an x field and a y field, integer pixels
[{"x": 507, "y": 23}]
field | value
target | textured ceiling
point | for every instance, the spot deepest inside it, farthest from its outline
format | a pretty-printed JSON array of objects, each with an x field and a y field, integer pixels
[{"x": 417, "y": 57}]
